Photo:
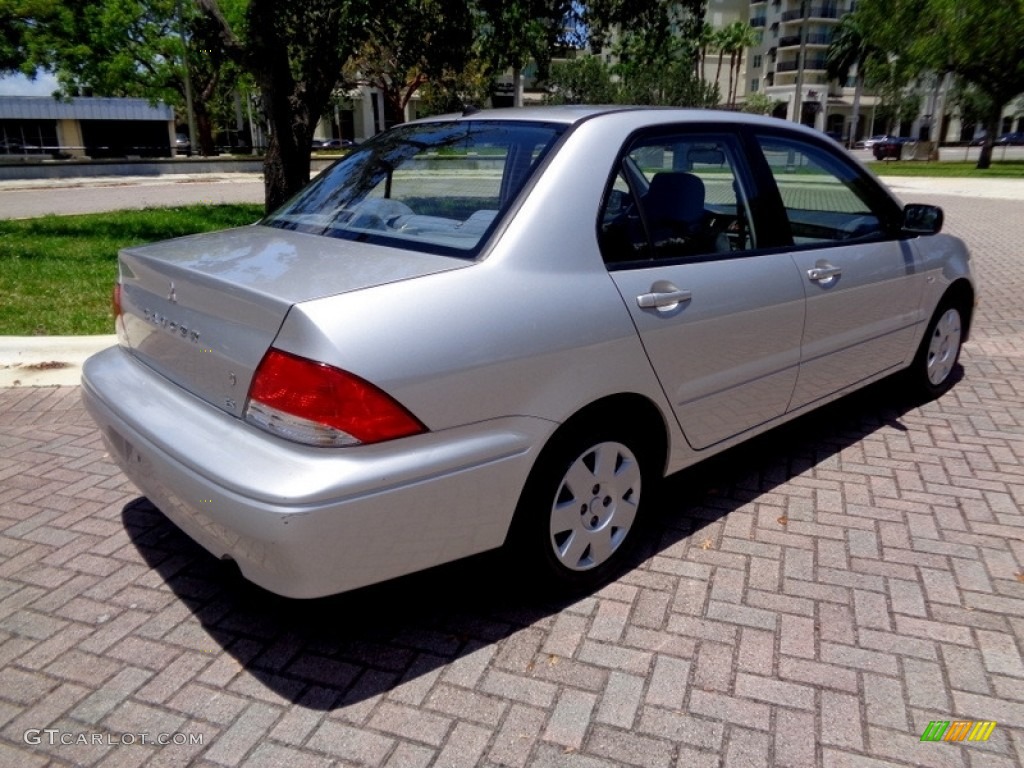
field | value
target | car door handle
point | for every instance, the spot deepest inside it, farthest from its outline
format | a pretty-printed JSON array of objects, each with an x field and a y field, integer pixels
[
  {"x": 824, "y": 272},
  {"x": 662, "y": 299}
]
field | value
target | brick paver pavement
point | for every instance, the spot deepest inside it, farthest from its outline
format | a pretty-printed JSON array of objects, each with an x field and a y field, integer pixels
[{"x": 815, "y": 598}]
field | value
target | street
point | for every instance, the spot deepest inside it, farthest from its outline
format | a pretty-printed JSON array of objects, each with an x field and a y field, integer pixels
[{"x": 27, "y": 199}]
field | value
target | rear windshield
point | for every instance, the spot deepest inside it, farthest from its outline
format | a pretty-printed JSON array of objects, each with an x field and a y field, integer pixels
[{"x": 435, "y": 187}]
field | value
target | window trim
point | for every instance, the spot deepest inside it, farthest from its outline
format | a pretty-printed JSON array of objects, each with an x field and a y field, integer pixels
[
  {"x": 774, "y": 213},
  {"x": 729, "y": 133},
  {"x": 506, "y": 210}
]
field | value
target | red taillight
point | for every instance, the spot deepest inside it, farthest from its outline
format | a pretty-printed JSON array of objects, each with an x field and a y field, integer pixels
[{"x": 315, "y": 403}]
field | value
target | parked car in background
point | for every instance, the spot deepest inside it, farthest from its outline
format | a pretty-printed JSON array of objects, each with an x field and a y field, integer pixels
[
  {"x": 890, "y": 148},
  {"x": 1014, "y": 139},
  {"x": 503, "y": 330},
  {"x": 182, "y": 144},
  {"x": 870, "y": 143},
  {"x": 337, "y": 144}
]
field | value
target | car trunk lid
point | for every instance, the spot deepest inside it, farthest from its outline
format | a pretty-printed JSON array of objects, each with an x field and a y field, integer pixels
[{"x": 203, "y": 310}]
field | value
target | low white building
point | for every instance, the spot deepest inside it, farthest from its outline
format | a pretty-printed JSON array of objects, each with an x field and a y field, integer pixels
[{"x": 80, "y": 127}]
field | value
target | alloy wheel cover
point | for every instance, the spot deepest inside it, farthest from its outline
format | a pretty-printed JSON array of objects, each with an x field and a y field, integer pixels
[
  {"x": 595, "y": 506},
  {"x": 943, "y": 347}
]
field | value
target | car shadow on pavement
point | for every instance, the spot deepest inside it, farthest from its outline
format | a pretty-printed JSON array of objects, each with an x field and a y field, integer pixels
[{"x": 336, "y": 652}]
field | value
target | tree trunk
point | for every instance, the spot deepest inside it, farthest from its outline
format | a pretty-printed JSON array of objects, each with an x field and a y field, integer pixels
[
  {"x": 204, "y": 122},
  {"x": 739, "y": 71},
  {"x": 517, "y": 86},
  {"x": 858, "y": 89},
  {"x": 991, "y": 131},
  {"x": 296, "y": 56},
  {"x": 204, "y": 126},
  {"x": 286, "y": 163},
  {"x": 292, "y": 106},
  {"x": 728, "y": 88},
  {"x": 285, "y": 171},
  {"x": 394, "y": 109}
]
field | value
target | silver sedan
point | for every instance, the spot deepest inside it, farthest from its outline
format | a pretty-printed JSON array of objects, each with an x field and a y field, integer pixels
[{"x": 503, "y": 329}]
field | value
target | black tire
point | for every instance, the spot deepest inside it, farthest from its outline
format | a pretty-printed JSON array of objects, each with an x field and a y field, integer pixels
[
  {"x": 578, "y": 516},
  {"x": 932, "y": 373}
]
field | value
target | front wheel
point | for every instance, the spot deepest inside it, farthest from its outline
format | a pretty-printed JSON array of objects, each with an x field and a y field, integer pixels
[
  {"x": 580, "y": 507},
  {"x": 932, "y": 371}
]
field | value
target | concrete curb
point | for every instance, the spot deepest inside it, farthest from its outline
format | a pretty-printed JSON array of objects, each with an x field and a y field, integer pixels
[
  {"x": 906, "y": 187},
  {"x": 47, "y": 361}
]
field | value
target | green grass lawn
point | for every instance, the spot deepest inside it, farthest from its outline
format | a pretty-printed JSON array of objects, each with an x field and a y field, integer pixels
[
  {"x": 1001, "y": 169},
  {"x": 57, "y": 272}
]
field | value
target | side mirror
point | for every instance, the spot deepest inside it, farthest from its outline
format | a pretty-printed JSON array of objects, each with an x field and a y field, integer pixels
[{"x": 922, "y": 219}]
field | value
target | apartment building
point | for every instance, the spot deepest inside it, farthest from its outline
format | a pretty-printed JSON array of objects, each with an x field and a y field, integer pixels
[{"x": 789, "y": 65}]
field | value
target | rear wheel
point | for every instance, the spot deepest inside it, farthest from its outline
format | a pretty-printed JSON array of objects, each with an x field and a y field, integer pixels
[
  {"x": 932, "y": 372},
  {"x": 580, "y": 509}
]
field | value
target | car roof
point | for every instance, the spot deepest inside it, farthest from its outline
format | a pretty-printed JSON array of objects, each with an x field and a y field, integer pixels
[{"x": 575, "y": 113}]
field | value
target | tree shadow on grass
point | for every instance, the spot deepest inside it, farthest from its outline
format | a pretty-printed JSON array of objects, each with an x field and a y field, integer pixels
[{"x": 337, "y": 651}]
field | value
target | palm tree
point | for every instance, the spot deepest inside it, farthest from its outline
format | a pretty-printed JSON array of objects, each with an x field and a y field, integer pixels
[
  {"x": 719, "y": 43},
  {"x": 738, "y": 38},
  {"x": 730, "y": 41},
  {"x": 850, "y": 49},
  {"x": 706, "y": 42}
]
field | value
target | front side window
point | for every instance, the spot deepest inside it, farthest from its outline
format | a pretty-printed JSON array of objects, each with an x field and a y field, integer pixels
[
  {"x": 435, "y": 187},
  {"x": 676, "y": 197},
  {"x": 825, "y": 200}
]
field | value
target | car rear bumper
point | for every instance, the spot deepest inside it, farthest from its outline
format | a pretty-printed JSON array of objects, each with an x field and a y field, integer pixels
[{"x": 301, "y": 521}]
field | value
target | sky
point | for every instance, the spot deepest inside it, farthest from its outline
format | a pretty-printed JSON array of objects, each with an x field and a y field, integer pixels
[{"x": 19, "y": 85}]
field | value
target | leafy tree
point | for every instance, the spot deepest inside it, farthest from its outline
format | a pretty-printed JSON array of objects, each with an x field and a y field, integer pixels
[
  {"x": 512, "y": 32},
  {"x": 972, "y": 104},
  {"x": 1018, "y": 107},
  {"x": 658, "y": 57},
  {"x": 898, "y": 99},
  {"x": 665, "y": 83},
  {"x": 760, "y": 104},
  {"x": 659, "y": 21},
  {"x": 455, "y": 90},
  {"x": 585, "y": 80},
  {"x": 295, "y": 52},
  {"x": 639, "y": 80},
  {"x": 419, "y": 41},
  {"x": 979, "y": 41},
  {"x": 13, "y": 17},
  {"x": 137, "y": 48}
]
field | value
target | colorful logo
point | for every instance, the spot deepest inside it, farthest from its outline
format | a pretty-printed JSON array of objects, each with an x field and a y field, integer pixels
[{"x": 958, "y": 730}]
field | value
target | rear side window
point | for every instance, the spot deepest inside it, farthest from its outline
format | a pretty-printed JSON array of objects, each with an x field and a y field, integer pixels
[
  {"x": 435, "y": 187},
  {"x": 824, "y": 199},
  {"x": 676, "y": 197}
]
